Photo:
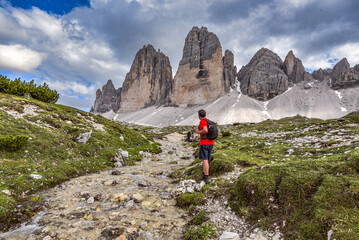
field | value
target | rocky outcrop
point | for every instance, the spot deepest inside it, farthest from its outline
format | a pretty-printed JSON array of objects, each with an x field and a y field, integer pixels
[
  {"x": 343, "y": 76},
  {"x": 199, "y": 78},
  {"x": 263, "y": 77},
  {"x": 107, "y": 99},
  {"x": 294, "y": 69},
  {"x": 149, "y": 81},
  {"x": 229, "y": 71}
]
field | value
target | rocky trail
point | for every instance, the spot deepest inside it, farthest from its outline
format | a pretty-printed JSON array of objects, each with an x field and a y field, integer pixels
[{"x": 132, "y": 201}]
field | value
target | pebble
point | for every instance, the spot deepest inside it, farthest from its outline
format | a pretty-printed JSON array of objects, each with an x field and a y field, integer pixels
[
  {"x": 7, "y": 192},
  {"x": 91, "y": 200},
  {"x": 122, "y": 237}
]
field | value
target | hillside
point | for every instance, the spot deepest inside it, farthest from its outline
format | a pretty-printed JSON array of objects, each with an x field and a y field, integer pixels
[{"x": 58, "y": 143}]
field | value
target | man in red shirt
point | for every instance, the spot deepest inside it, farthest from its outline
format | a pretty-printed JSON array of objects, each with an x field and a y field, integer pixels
[{"x": 205, "y": 144}]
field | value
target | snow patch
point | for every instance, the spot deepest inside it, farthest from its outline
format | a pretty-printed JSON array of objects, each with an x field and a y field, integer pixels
[
  {"x": 288, "y": 90},
  {"x": 239, "y": 95},
  {"x": 343, "y": 109},
  {"x": 238, "y": 84},
  {"x": 265, "y": 112},
  {"x": 114, "y": 118},
  {"x": 339, "y": 94}
]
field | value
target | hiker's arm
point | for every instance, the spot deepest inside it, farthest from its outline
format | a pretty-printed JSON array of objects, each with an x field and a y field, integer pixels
[{"x": 203, "y": 131}]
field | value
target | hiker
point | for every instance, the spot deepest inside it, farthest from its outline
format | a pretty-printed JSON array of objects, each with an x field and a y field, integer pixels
[
  {"x": 205, "y": 145},
  {"x": 189, "y": 136}
]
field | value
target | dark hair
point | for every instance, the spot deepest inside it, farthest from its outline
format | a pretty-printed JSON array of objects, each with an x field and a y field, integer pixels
[{"x": 202, "y": 113}]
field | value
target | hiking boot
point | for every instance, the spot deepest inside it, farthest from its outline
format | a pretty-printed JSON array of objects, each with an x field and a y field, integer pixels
[
  {"x": 206, "y": 179},
  {"x": 203, "y": 176}
]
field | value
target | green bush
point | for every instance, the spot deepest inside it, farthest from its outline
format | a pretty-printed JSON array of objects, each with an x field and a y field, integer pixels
[
  {"x": 199, "y": 219},
  {"x": 353, "y": 160},
  {"x": 219, "y": 166},
  {"x": 187, "y": 199},
  {"x": 13, "y": 143},
  {"x": 20, "y": 88},
  {"x": 203, "y": 232},
  {"x": 226, "y": 133},
  {"x": 7, "y": 206}
]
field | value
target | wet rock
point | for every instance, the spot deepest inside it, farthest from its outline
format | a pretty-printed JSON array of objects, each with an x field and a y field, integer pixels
[
  {"x": 111, "y": 233},
  {"x": 137, "y": 197},
  {"x": 229, "y": 236},
  {"x": 143, "y": 183},
  {"x": 116, "y": 172}
]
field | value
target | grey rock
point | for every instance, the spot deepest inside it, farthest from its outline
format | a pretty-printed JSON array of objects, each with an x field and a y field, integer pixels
[
  {"x": 91, "y": 200},
  {"x": 84, "y": 137},
  {"x": 199, "y": 46},
  {"x": 229, "y": 71},
  {"x": 129, "y": 204},
  {"x": 294, "y": 69},
  {"x": 343, "y": 76},
  {"x": 263, "y": 77},
  {"x": 229, "y": 236},
  {"x": 143, "y": 183},
  {"x": 149, "y": 81},
  {"x": 107, "y": 99}
]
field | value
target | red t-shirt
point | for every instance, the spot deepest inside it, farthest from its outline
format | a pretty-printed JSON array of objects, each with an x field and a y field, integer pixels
[{"x": 203, "y": 123}]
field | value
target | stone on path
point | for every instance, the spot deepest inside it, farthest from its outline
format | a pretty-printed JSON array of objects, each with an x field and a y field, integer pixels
[
  {"x": 229, "y": 236},
  {"x": 91, "y": 200},
  {"x": 137, "y": 197}
]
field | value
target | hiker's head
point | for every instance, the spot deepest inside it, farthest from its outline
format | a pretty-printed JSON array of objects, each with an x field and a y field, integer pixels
[{"x": 201, "y": 114}]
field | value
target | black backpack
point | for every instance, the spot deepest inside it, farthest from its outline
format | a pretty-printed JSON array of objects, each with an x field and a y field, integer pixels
[{"x": 212, "y": 130}]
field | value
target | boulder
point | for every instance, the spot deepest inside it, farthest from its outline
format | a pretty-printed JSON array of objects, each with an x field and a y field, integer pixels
[
  {"x": 84, "y": 137},
  {"x": 229, "y": 236},
  {"x": 199, "y": 78},
  {"x": 263, "y": 77}
]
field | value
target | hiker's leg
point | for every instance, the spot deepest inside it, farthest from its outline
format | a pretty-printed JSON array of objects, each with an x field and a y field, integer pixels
[{"x": 205, "y": 167}]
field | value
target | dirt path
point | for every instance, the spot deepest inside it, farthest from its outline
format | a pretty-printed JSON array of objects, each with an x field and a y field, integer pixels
[{"x": 137, "y": 202}]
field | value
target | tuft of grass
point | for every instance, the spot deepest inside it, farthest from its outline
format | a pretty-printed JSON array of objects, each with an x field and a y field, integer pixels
[
  {"x": 226, "y": 133},
  {"x": 187, "y": 199},
  {"x": 199, "y": 218},
  {"x": 203, "y": 232}
]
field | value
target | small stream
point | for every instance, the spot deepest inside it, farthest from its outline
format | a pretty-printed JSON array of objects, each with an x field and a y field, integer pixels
[{"x": 135, "y": 203}]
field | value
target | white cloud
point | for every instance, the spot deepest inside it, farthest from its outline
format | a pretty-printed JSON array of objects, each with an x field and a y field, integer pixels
[
  {"x": 20, "y": 58},
  {"x": 350, "y": 51}
]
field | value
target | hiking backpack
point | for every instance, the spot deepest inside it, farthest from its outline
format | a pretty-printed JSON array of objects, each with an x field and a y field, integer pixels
[{"x": 212, "y": 130}]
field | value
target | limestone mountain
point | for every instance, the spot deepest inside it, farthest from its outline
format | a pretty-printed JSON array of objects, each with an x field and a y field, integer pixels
[
  {"x": 263, "y": 77},
  {"x": 149, "y": 81},
  {"x": 343, "y": 76},
  {"x": 294, "y": 69},
  {"x": 107, "y": 99},
  {"x": 229, "y": 71},
  {"x": 199, "y": 78}
]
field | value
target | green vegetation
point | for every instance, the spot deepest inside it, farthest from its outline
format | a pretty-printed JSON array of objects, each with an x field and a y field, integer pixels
[
  {"x": 202, "y": 232},
  {"x": 12, "y": 143},
  {"x": 199, "y": 218},
  {"x": 299, "y": 173},
  {"x": 41, "y": 139},
  {"x": 226, "y": 133},
  {"x": 188, "y": 199},
  {"x": 22, "y": 88}
]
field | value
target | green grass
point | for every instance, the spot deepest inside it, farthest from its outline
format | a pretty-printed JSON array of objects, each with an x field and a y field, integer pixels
[
  {"x": 312, "y": 187},
  {"x": 51, "y": 149}
]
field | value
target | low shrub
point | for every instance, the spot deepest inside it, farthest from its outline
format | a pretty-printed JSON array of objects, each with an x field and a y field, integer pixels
[
  {"x": 219, "y": 166},
  {"x": 226, "y": 133},
  {"x": 13, "y": 143},
  {"x": 206, "y": 231},
  {"x": 353, "y": 160},
  {"x": 199, "y": 218},
  {"x": 187, "y": 199}
]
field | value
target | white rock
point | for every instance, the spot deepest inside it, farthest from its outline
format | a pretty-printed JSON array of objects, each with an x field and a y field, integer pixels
[
  {"x": 84, "y": 137},
  {"x": 7, "y": 192},
  {"x": 123, "y": 153},
  {"x": 190, "y": 190},
  {"x": 229, "y": 236},
  {"x": 35, "y": 176},
  {"x": 91, "y": 200},
  {"x": 47, "y": 238},
  {"x": 330, "y": 233},
  {"x": 277, "y": 236},
  {"x": 122, "y": 138}
]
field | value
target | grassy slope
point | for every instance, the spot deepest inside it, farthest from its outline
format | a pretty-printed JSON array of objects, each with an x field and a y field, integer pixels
[
  {"x": 308, "y": 192},
  {"x": 51, "y": 150}
]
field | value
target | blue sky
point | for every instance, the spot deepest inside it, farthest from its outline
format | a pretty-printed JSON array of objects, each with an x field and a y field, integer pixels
[{"x": 76, "y": 45}]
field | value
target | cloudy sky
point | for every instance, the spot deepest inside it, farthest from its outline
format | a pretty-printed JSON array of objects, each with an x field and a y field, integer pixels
[{"x": 77, "y": 45}]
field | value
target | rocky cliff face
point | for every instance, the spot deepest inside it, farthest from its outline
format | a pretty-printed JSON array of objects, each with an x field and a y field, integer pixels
[
  {"x": 199, "y": 78},
  {"x": 263, "y": 77},
  {"x": 294, "y": 69},
  {"x": 149, "y": 81},
  {"x": 229, "y": 71},
  {"x": 107, "y": 99},
  {"x": 343, "y": 76}
]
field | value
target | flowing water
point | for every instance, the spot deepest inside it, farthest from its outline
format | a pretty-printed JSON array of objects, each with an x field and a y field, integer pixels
[{"x": 136, "y": 203}]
